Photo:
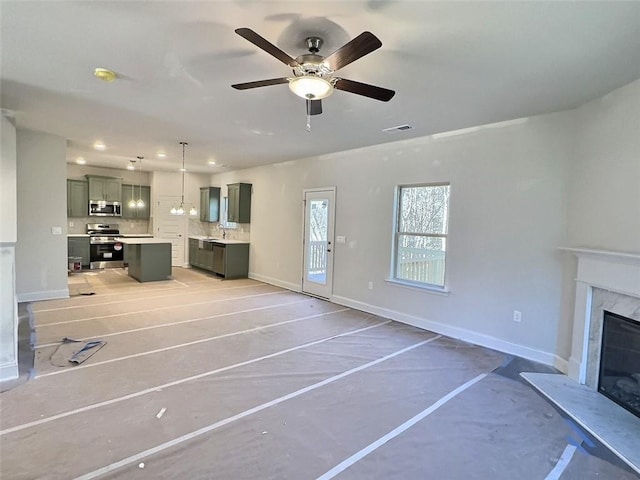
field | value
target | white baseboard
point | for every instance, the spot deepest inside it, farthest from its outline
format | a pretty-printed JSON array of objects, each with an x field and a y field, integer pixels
[
  {"x": 275, "y": 281},
  {"x": 458, "y": 333},
  {"x": 9, "y": 372},
  {"x": 37, "y": 296}
]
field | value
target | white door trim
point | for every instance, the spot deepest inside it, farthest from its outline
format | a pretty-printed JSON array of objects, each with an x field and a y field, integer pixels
[{"x": 307, "y": 287}]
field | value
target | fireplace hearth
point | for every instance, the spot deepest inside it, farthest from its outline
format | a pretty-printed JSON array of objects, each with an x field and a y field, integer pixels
[
  {"x": 619, "y": 378},
  {"x": 606, "y": 281}
]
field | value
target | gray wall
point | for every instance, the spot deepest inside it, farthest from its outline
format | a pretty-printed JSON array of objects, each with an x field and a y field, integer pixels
[
  {"x": 8, "y": 229},
  {"x": 507, "y": 217},
  {"x": 41, "y": 257},
  {"x": 519, "y": 190},
  {"x": 605, "y": 182}
]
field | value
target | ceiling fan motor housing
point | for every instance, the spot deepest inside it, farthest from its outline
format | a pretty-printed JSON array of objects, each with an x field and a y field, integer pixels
[{"x": 311, "y": 64}]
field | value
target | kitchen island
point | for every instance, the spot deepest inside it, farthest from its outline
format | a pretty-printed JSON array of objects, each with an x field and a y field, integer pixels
[{"x": 149, "y": 258}]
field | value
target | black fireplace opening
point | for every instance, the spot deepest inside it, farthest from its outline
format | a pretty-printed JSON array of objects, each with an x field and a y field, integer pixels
[{"x": 620, "y": 361}]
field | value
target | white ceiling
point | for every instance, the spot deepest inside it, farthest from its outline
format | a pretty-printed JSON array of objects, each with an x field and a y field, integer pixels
[{"x": 452, "y": 64}]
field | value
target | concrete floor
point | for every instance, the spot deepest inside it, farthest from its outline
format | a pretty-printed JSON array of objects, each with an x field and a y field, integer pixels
[{"x": 202, "y": 378}]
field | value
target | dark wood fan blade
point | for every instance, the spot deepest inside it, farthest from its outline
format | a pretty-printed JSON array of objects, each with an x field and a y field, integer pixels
[
  {"x": 266, "y": 45},
  {"x": 360, "y": 46},
  {"x": 314, "y": 107},
  {"x": 371, "y": 91},
  {"x": 260, "y": 83}
]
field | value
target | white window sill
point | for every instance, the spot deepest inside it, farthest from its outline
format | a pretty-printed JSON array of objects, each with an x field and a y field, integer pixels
[{"x": 423, "y": 288}]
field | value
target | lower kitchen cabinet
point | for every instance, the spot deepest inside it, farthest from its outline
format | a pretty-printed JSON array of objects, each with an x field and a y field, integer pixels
[
  {"x": 79, "y": 247},
  {"x": 230, "y": 260}
]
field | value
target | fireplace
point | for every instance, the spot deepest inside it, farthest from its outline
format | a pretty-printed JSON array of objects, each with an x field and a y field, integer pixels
[{"x": 619, "y": 378}]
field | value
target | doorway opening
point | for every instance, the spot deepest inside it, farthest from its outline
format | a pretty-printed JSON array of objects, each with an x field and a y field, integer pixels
[{"x": 319, "y": 218}]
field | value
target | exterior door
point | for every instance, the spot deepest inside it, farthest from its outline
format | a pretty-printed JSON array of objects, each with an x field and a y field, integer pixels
[
  {"x": 319, "y": 216},
  {"x": 171, "y": 227}
]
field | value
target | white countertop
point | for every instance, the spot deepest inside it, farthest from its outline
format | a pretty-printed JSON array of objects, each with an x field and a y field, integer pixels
[
  {"x": 79, "y": 235},
  {"x": 223, "y": 241},
  {"x": 136, "y": 235},
  {"x": 142, "y": 241}
]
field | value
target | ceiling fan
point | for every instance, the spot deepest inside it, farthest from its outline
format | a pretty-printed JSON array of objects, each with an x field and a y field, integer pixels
[{"x": 313, "y": 77}]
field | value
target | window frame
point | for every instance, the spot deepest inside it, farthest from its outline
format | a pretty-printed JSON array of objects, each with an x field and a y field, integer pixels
[{"x": 397, "y": 233}]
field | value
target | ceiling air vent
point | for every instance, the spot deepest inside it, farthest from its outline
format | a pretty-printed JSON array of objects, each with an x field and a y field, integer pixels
[{"x": 399, "y": 128}]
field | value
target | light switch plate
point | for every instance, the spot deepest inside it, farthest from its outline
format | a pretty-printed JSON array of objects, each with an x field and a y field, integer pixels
[
  {"x": 341, "y": 239},
  {"x": 56, "y": 230}
]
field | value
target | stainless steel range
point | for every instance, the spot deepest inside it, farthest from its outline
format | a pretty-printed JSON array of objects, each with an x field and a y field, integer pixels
[{"x": 104, "y": 251}]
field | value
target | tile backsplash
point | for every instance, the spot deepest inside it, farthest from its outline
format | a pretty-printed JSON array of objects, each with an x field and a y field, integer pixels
[
  {"x": 127, "y": 226},
  {"x": 241, "y": 232}
]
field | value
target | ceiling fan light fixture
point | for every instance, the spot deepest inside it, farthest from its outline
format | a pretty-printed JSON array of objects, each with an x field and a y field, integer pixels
[{"x": 311, "y": 87}]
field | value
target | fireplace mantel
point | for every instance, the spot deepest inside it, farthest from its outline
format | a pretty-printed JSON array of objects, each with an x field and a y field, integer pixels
[
  {"x": 617, "y": 272},
  {"x": 604, "y": 279}
]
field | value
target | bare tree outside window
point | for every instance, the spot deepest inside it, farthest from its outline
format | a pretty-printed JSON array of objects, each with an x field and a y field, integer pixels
[{"x": 421, "y": 234}]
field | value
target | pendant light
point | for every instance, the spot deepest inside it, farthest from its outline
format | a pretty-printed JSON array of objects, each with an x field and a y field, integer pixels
[
  {"x": 140, "y": 202},
  {"x": 179, "y": 209},
  {"x": 132, "y": 202}
]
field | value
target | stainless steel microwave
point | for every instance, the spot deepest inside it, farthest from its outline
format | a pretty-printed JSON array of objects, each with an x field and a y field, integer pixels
[{"x": 105, "y": 209}]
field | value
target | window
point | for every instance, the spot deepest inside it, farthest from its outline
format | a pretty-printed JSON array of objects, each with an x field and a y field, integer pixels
[{"x": 420, "y": 241}]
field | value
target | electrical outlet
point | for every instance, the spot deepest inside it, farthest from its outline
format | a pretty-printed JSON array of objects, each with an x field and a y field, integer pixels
[
  {"x": 370, "y": 285},
  {"x": 517, "y": 316},
  {"x": 71, "y": 224},
  {"x": 341, "y": 239},
  {"x": 56, "y": 230}
]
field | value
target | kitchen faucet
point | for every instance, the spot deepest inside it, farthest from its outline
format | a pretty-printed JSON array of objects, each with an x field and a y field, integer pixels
[{"x": 224, "y": 232}]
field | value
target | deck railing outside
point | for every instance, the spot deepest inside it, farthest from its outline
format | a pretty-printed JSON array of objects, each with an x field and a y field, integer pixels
[
  {"x": 421, "y": 265},
  {"x": 317, "y": 256}
]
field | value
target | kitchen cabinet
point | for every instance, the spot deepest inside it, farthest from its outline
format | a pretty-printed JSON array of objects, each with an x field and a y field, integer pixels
[
  {"x": 209, "y": 204},
  {"x": 239, "y": 202},
  {"x": 230, "y": 260},
  {"x": 77, "y": 198},
  {"x": 136, "y": 192},
  {"x": 193, "y": 252},
  {"x": 108, "y": 189},
  {"x": 201, "y": 254},
  {"x": 79, "y": 247}
]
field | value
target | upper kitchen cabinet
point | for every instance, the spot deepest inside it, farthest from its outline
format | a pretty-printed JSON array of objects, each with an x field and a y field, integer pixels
[
  {"x": 209, "y": 204},
  {"x": 77, "y": 198},
  {"x": 136, "y": 192},
  {"x": 108, "y": 189},
  {"x": 239, "y": 207}
]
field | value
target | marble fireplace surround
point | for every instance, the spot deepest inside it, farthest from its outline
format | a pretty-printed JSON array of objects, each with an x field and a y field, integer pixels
[
  {"x": 605, "y": 281},
  {"x": 609, "y": 281}
]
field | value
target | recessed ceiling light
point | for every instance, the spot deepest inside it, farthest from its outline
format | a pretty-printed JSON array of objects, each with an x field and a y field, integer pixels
[
  {"x": 183, "y": 169},
  {"x": 80, "y": 161},
  {"x": 99, "y": 146},
  {"x": 211, "y": 162},
  {"x": 105, "y": 74},
  {"x": 162, "y": 155}
]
